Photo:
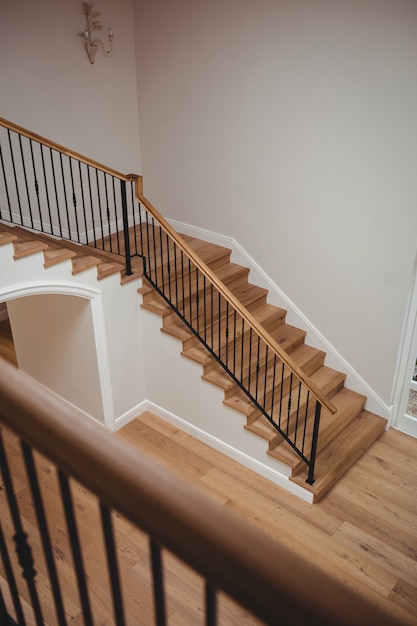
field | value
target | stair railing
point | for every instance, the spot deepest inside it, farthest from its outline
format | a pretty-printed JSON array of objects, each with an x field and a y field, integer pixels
[
  {"x": 51, "y": 189},
  {"x": 46, "y": 187},
  {"x": 273, "y": 582}
]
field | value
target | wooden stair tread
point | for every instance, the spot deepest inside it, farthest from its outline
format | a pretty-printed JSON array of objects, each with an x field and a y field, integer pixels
[
  {"x": 26, "y": 247},
  {"x": 342, "y": 453},
  {"x": 105, "y": 269},
  {"x": 83, "y": 262},
  {"x": 349, "y": 405},
  {"x": 7, "y": 237},
  {"x": 52, "y": 256}
]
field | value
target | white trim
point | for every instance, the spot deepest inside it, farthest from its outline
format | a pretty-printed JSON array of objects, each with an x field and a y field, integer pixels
[
  {"x": 260, "y": 468},
  {"x": 294, "y": 316},
  {"x": 103, "y": 363},
  {"x": 131, "y": 414}
]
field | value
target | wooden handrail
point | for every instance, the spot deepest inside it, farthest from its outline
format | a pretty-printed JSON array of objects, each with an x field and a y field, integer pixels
[
  {"x": 266, "y": 577},
  {"x": 70, "y": 153},
  {"x": 225, "y": 292},
  {"x": 245, "y": 314}
]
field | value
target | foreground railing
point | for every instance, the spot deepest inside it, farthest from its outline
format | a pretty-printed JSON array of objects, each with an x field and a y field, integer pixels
[
  {"x": 46, "y": 187},
  {"x": 269, "y": 580}
]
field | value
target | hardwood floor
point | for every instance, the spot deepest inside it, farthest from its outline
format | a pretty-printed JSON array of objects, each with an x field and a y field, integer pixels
[{"x": 364, "y": 532}]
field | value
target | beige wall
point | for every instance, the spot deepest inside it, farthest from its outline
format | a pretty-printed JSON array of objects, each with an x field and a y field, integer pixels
[
  {"x": 49, "y": 86},
  {"x": 54, "y": 342},
  {"x": 292, "y": 127}
]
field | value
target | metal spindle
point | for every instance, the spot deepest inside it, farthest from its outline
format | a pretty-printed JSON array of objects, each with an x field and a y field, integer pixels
[
  {"x": 74, "y": 203},
  {"x": 158, "y": 584},
  {"x": 93, "y": 221},
  {"x": 211, "y": 605},
  {"x": 112, "y": 564},
  {"x": 23, "y": 549},
  {"x": 8, "y": 570},
  {"x": 44, "y": 531},
  {"x": 36, "y": 184},
  {"x": 310, "y": 479},
  {"x": 48, "y": 203},
  {"x": 126, "y": 236},
  {"x": 75, "y": 547},
  {"x": 19, "y": 204},
  {"x": 6, "y": 187},
  {"x": 25, "y": 178},
  {"x": 58, "y": 212},
  {"x": 65, "y": 194}
]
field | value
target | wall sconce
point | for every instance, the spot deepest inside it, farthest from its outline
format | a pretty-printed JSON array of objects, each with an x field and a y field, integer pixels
[{"x": 92, "y": 24}]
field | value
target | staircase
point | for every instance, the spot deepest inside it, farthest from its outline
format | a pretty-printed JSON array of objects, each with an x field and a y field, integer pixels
[{"x": 343, "y": 437}]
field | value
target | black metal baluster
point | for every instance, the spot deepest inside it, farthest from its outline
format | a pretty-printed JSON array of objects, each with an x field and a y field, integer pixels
[
  {"x": 266, "y": 375},
  {"x": 250, "y": 357},
  {"x": 149, "y": 247},
  {"x": 211, "y": 605},
  {"x": 65, "y": 196},
  {"x": 219, "y": 322},
  {"x": 281, "y": 394},
  {"x": 75, "y": 547},
  {"x": 26, "y": 181},
  {"x": 58, "y": 212},
  {"x": 35, "y": 182},
  {"x": 93, "y": 221},
  {"x": 43, "y": 528},
  {"x": 8, "y": 570},
  {"x": 135, "y": 203},
  {"x": 112, "y": 565},
  {"x": 242, "y": 351},
  {"x": 234, "y": 340},
  {"x": 289, "y": 404},
  {"x": 169, "y": 269},
  {"x": 205, "y": 307},
  {"x": 100, "y": 210},
  {"x": 158, "y": 584},
  {"x": 197, "y": 301},
  {"x": 154, "y": 253},
  {"x": 310, "y": 478},
  {"x": 305, "y": 422},
  {"x": 226, "y": 335},
  {"x": 116, "y": 220},
  {"x": 109, "y": 233},
  {"x": 5, "y": 186},
  {"x": 45, "y": 179},
  {"x": 190, "y": 295},
  {"x": 126, "y": 235},
  {"x": 176, "y": 275},
  {"x": 257, "y": 368},
  {"x": 297, "y": 415},
  {"x": 274, "y": 369},
  {"x": 4, "y": 617},
  {"x": 74, "y": 202},
  {"x": 83, "y": 202},
  {"x": 161, "y": 247},
  {"x": 19, "y": 204},
  {"x": 23, "y": 549}
]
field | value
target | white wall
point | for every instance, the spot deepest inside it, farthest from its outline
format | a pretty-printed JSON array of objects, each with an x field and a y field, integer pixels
[
  {"x": 292, "y": 127},
  {"x": 49, "y": 86},
  {"x": 54, "y": 343}
]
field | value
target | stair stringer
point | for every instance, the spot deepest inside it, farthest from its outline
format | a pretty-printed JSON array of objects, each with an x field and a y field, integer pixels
[
  {"x": 295, "y": 317},
  {"x": 116, "y": 327},
  {"x": 177, "y": 393}
]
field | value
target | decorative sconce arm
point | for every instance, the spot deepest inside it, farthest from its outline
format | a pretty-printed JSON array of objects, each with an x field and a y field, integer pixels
[{"x": 93, "y": 24}]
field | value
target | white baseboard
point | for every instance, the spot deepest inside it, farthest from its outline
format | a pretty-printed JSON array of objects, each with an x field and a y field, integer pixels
[
  {"x": 294, "y": 316},
  {"x": 267, "y": 472},
  {"x": 130, "y": 415}
]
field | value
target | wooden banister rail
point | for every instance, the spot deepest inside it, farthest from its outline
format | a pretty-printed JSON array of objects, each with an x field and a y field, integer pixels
[
  {"x": 267, "y": 578},
  {"x": 245, "y": 314}
]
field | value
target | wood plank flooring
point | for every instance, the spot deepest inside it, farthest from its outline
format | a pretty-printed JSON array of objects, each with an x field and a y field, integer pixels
[{"x": 364, "y": 532}]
